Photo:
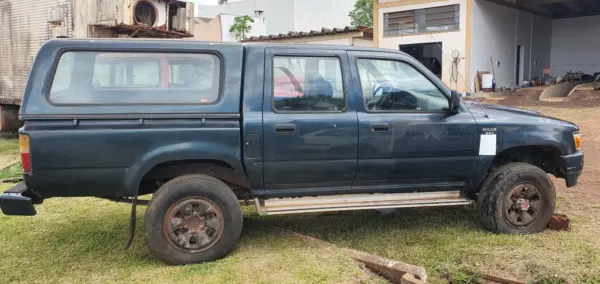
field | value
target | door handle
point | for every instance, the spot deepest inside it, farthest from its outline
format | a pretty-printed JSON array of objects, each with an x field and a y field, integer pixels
[
  {"x": 380, "y": 127},
  {"x": 285, "y": 128}
]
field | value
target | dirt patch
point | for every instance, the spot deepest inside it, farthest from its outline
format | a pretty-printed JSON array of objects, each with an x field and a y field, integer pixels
[
  {"x": 531, "y": 97},
  {"x": 523, "y": 97},
  {"x": 584, "y": 99}
]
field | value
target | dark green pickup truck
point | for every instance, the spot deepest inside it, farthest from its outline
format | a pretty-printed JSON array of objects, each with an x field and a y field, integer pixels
[{"x": 295, "y": 129}]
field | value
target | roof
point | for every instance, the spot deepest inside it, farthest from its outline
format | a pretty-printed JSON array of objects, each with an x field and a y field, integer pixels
[
  {"x": 555, "y": 9},
  {"x": 147, "y": 31},
  {"x": 179, "y": 43},
  {"x": 323, "y": 31}
]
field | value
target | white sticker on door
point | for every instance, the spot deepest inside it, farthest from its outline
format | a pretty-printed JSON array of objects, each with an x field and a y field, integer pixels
[{"x": 487, "y": 145}]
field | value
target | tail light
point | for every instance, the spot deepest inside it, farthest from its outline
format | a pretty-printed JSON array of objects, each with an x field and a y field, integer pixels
[{"x": 25, "y": 154}]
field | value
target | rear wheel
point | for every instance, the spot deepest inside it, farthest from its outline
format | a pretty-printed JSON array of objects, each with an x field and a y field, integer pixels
[
  {"x": 192, "y": 219},
  {"x": 517, "y": 198}
]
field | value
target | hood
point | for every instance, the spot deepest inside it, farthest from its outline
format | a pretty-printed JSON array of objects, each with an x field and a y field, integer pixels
[
  {"x": 510, "y": 109},
  {"x": 513, "y": 115},
  {"x": 474, "y": 107}
]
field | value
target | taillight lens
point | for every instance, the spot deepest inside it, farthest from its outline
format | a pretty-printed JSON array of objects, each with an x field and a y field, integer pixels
[{"x": 25, "y": 154}]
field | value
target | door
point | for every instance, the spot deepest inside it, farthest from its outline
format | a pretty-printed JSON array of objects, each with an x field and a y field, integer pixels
[
  {"x": 520, "y": 64},
  {"x": 429, "y": 54},
  {"x": 309, "y": 122},
  {"x": 403, "y": 116}
]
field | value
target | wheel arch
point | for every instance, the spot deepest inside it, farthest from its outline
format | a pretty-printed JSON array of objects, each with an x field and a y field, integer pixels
[
  {"x": 545, "y": 156},
  {"x": 177, "y": 157}
]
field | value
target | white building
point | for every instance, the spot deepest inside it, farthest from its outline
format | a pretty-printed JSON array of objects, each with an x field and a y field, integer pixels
[
  {"x": 217, "y": 28},
  {"x": 283, "y": 16},
  {"x": 523, "y": 37}
]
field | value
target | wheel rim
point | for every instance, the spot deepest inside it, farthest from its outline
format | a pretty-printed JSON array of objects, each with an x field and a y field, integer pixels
[
  {"x": 523, "y": 205},
  {"x": 193, "y": 224}
]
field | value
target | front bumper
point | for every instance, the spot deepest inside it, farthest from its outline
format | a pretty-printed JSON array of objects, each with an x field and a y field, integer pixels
[
  {"x": 19, "y": 201},
  {"x": 572, "y": 167}
]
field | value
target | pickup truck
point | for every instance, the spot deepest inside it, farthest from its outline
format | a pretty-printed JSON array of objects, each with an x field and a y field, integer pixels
[{"x": 202, "y": 126}]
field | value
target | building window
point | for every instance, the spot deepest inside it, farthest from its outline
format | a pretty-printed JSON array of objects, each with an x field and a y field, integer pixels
[{"x": 436, "y": 19}]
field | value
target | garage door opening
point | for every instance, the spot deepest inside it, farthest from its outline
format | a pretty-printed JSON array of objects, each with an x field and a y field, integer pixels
[
  {"x": 429, "y": 54},
  {"x": 520, "y": 64}
]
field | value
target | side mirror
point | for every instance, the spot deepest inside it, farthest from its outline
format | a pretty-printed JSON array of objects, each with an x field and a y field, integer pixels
[{"x": 454, "y": 102}]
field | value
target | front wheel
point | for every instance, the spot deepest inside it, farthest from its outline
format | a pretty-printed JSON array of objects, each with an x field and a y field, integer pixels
[
  {"x": 192, "y": 219},
  {"x": 517, "y": 198}
]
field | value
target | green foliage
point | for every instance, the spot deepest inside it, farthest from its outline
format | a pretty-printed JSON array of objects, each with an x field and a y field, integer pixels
[
  {"x": 550, "y": 280},
  {"x": 457, "y": 273},
  {"x": 11, "y": 172},
  {"x": 589, "y": 279},
  {"x": 9, "y": 147},
  {"x": 80, "y": 240},
  {"x": 241, "y": 26},
  {"x": 362, "y": 15}
]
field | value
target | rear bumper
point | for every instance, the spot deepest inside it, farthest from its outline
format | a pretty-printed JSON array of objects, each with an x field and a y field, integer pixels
[
  {"x": 19, "y": 201},
  {"x": 572, "y": 167}
]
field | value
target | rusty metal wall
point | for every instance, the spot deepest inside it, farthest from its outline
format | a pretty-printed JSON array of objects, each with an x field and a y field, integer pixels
[{"x": 24, "y": 26}]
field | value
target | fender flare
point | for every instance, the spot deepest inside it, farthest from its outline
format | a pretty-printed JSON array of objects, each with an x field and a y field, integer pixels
[
  {"x": 178, "y": 152},
  {"x": 483, "y": 163}
]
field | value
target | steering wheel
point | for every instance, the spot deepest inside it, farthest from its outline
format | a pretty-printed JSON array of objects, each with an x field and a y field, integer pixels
[{"x": 381, "y": 99}]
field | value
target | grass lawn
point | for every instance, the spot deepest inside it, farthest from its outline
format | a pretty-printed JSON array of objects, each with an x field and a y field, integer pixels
[
  {"x": 81, "y": 240},
  {"x": 9, "y": 154}
]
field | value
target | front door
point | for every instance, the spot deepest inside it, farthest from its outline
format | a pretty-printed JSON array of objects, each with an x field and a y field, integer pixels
[
  {"x": 404, "y": 110},
  {"x": 309, "y": 122}
]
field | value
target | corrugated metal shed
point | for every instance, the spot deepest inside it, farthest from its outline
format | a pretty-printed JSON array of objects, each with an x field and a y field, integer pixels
[{"x": 24, "y": 26}]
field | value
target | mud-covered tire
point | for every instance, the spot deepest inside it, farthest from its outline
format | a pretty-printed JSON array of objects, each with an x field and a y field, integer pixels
[
  {"x": 494, "y": 201},
  {"x": 174, "y": 193}
]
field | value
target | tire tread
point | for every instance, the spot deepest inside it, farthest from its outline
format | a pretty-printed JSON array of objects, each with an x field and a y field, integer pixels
[
  {"x": 491, "y": 197},
  {"x": 190, "y": 185}
]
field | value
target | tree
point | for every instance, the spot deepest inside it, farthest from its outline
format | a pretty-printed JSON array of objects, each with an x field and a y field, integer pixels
[
  {"x": 362, "y": 15},
  {"x": 241, "y": 26}
]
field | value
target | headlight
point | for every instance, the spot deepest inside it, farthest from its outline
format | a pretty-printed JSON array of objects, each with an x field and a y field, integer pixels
[{"x": 577, "y": 140}]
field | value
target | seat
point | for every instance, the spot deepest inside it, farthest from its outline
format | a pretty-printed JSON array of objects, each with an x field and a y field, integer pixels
[{"x": 317, "y": 86}]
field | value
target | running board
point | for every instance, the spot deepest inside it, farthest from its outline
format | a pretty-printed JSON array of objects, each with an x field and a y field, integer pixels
[{"x": 326, "y": 203}]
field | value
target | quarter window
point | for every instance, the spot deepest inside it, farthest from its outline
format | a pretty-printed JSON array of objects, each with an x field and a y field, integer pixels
[
  {"x": 113, "y": 78},
  {"x": 307, "y": 84},
  {"x": 396, "y": 86}
]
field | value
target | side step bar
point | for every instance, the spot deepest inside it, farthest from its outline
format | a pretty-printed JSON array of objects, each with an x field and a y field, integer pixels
[{"x": 279, "y": 206}]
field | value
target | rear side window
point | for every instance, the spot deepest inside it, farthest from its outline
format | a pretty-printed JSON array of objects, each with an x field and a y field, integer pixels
[
  {"x": 307, "y": 84},
  {"x": 113, "y": 78}
]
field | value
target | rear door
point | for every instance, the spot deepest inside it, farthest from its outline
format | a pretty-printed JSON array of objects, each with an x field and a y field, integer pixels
[
  {"x": 309, "y": 121},
  {"x": 408, "y": 140}
]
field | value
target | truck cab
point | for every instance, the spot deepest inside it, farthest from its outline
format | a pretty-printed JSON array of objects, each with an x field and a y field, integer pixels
[{"x": 295, "y": 129}]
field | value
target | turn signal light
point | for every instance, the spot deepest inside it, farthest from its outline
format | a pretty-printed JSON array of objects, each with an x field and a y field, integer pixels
[
  {"x": 577, "y": 139},
  {"x": 25, "y": 154}
]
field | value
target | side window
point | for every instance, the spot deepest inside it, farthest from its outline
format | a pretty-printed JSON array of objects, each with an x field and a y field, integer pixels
[
  {"x": 312, "y": 84},
  {"x": 126, "y": 74},
  {"x": 396, "y": 86},
  {"x": 113, "y": 78},
  {"x": 62, "y": 75}
]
